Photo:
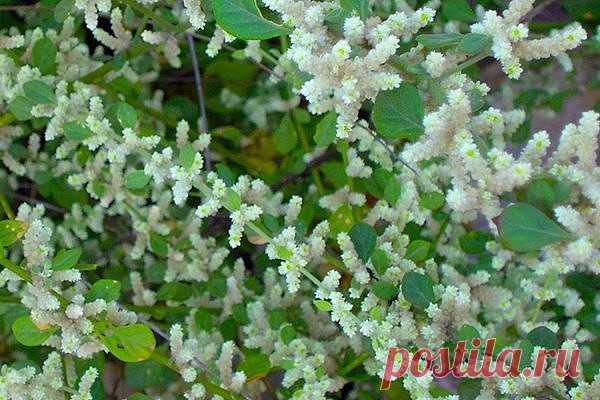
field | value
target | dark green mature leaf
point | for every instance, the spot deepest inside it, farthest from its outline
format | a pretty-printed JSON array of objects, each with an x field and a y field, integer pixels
[
  {"x": 43, "y": 56},
  {"x": 474, "y": 43},
  {"x": 147, "y": 374},
  {"x": 106, "y": 289},
  {"x": 467, "y": 333},
  {"x": 11, "y": 230},
  {"x": 28, "y": 334},
  {"x": 20, "y": 107},
  {"x": 363, "y": 238},
  {"x": 469, "y": 389},
  {"x": 458, "y": 10},
  {"x": 543, "y": 337},
  {"x": 547, "y": 193},
  {"x": 66, "y": 259},
  {"x": 126, "y": 115},
  {"x": 398, "y": 113},
  {"x": 417, "y": 289},
  {"x": 242, "y": 19},
  {"x": 380, "y": 261},
  {"x": 286, "y": 137},
  {"x": 39, "y": 92},
  {"x": 524, "y": 228},
  {"x": 326, "y": 128},
  {"x": 159, "y": 244},
  {"x": 130, "y": 343},
  {"x": 76, "y": 131},
  {"x": 439, "y": 40},
  {"x": 176, "y": 291},
  {"x": 474, "y": 242},
  {"x": 63, "y": 9},
  {"x": 137, "y": 180}
]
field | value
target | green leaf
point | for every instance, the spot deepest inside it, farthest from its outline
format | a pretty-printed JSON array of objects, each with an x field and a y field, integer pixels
[
  {"x": 28, "y": 334},
  {"x": 255, "y": 365},
  {"x": 137, "y": 180},
  {"x": 148, "y": 374},
  {"x": 417, "y": 289},
  {"x": 432, "y": 200},
  {"x": 341, "y": 220},
  {"x": 11, "y": 230},
  {"x": 106, "y": 289},
  {"x": 217, "y": 285},
  {"x": 242, "y": 19},
  {"x": 474, "y": 242},
  {"x": 474, "y": 43},
  {"x": 326, "y": 128},
  {"x": 363, "y": 238},
  {"x": 458, "y": 10},
  {"x": 175, "y": 291},
  {"x": 126, "y": 115},
  {"x": 398, "y": 113},
  {"x": 392, "y": 191},
  {"x": 130, "y": 343},
  {"x": 322, "y": 305},
  {"x": 524, "y": 228},
  {"x": 233, "y": 201},
  {"x": 39, "y": 92},
  {"x": 43, "y": 56},
  {"x": 203, "y": 320},
  {"x": 288, "y": 333},
  {"x": 76, "y": 131},
  {"x": 66, "y": 259},
  {"x": 20, "y": 107},
  {"x": 418, "y": 250},
  {"x": 439, "y": 40},
  {"x": 547, "y": 193},
  {"x": 286, "y": 137},
  {"x": 63, "y": 9},
  {"x": 469, "y": 389},
  {"x": 360, "y": 7},
  {"x": 467, "y": 333},
  {"x": 384, "y": 290},
  {"x": 380, "y": 261},
  {"x": 158, "y": 244},
  {"x": 187, "y": 156},
  {"x": 543, "y": 337}
]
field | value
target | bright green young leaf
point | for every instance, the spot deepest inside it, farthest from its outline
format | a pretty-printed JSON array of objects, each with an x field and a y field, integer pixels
[
  {"x": 137, "y": 180},
  {"x": 28, "y": 334},
  {"x": 106, "y": 289},
  {"x": 242, "y": 19},
  {"x": 458, "y": 10},
  {"x": 432, "y": 200},
  {"x": 11, "y": 230},
  {"x": 326, "y": 128},
  {"x": 130, "y": 343},
  {"x": 66, "y": 259},
  {"x": 126, "y": 115},
  {"x": 43, "y": 56},
  {"x": 187, "y": 156},
  {"x": 39, "y": 92},
  {"x": 322, "y": 305},
  {"x": 418, "y": 250},
  {"x": 439, "y": 40},
  {"x": 20, "y": 107},
  {"x": 474, "y": 43},
  {"x": 363, "y": 238},
  {"x": 417, "y": 289},
  {"x": 524, "y": 228},
  {"x": 76, "y": 131},
  {"x": 398, "y": 113}
]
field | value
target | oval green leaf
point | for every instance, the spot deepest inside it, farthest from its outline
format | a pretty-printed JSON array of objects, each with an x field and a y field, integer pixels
[
  {"x": 242, "y": 19},
  {"x": 28, "y": 334},
  {"x": 417, "y": 289},
  {"x": 130, "y": 343},
  {"x": 11, "y": 230},
  {"x": 398, "y": 113}
]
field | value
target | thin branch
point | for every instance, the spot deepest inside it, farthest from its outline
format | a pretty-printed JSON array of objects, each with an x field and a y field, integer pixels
[
  {"x": 31, "y": 200},
  {"x": 393, "y": 155},
  {"x": 200, "y": 95}
]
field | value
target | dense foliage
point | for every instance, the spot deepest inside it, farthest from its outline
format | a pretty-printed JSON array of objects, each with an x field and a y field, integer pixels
[{"x": 225, "y": 199}]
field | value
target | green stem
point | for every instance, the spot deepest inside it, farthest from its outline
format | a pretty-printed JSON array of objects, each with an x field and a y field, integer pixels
[
  {"x": 466, "y": 64},
  {"x": 6, "y": 207}
]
